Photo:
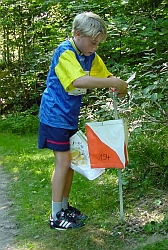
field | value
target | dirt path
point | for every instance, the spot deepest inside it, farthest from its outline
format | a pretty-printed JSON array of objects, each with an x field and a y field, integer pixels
[{"x": 8, "y": 229}]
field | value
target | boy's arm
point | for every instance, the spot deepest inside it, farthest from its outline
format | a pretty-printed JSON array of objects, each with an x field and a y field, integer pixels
[{"x": 90, "y": 82}]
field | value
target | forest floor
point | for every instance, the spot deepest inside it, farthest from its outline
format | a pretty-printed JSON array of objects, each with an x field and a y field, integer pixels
[{"x": 8, "y": 229}]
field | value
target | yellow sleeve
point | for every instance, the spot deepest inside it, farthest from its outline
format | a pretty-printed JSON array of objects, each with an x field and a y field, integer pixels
[
  {"x": 68, "y": 69},
  {"x": 99, "y": 69}
]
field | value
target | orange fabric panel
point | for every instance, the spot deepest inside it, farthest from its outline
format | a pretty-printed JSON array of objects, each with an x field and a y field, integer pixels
[{"x": 101, "y": 155}]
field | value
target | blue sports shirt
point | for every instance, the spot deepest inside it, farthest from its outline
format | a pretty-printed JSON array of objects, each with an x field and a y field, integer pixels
[{"x": 61, "y": 101}]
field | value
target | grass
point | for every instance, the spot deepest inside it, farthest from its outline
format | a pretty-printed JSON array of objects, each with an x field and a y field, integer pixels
[
  {"x": 30, "y": 170},
  {"x": 159, "y": 245}
]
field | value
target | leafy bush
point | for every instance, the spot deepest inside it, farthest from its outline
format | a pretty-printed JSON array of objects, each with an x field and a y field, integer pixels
[
  {"x": 137, "y": 36},
  {"x": 148, "y": 157},
  {"x": 19, "y": 123}
]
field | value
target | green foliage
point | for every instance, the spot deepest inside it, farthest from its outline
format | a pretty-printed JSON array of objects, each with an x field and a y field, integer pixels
[
  {"x": 148, "y": 158},
  {"x": 31, "y": 30},
  {"x": 20, "y": 122},
  {"x": 153, "y": 227}
]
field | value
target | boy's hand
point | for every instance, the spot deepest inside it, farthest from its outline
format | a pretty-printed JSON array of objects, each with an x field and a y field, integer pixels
[{"x": 120, "y": 87}]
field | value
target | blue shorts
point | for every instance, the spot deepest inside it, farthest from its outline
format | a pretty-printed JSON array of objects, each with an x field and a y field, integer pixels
[{"x": 56, "y": 139}]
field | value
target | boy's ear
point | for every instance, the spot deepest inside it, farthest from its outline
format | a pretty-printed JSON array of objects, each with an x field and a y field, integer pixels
[{"x": 78, "y": 34}]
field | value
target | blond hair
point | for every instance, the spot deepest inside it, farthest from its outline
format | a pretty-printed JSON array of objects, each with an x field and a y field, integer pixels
[{"x": 89, "y": 24}]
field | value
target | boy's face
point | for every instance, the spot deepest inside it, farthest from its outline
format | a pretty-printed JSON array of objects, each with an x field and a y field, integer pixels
[{"x": 86, "y": 44}]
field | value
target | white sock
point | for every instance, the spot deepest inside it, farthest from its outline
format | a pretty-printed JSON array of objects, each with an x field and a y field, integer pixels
[
  {"x": 64, "y": 203},
  {"x": 56, "y": 207}
]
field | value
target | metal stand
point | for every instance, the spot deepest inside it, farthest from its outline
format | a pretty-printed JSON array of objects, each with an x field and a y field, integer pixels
[{"x": 119, "y": 170}]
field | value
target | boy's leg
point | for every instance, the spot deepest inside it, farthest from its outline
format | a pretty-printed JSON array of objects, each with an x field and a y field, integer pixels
[
  {"x": 61, "y": 185},
  {"x": 61, "y": 182},
  {"x": 60, "y": 175},
  {"x": 67, "y": 188},
  {"x": 68, "y": 183}
]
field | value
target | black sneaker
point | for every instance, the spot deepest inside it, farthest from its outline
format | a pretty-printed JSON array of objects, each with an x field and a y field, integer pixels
[
  {"x": 75, "y": 213},
  {"x": 64, "y": 221}
]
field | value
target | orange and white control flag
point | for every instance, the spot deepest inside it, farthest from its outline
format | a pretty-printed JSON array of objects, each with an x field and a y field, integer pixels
[{"x": 107, "y": 144}]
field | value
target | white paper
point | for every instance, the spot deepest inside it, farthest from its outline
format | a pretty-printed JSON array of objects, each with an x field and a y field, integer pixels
[
  {"x": 131, "y": 78},
  {"x": 80, "y": 160}
]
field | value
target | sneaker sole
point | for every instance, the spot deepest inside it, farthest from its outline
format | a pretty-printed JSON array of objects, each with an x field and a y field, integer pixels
[{"x": 64, "y": 229}]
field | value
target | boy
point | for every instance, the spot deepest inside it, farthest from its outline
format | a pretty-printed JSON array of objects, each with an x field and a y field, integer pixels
[{"x": 75, "y": 67}]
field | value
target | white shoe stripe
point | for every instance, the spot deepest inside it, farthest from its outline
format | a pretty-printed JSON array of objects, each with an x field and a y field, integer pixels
[
  {"x": 62, "y": 222},
  {"x": 65, "y": 224},
  {"x": 68, "y": 224}
]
